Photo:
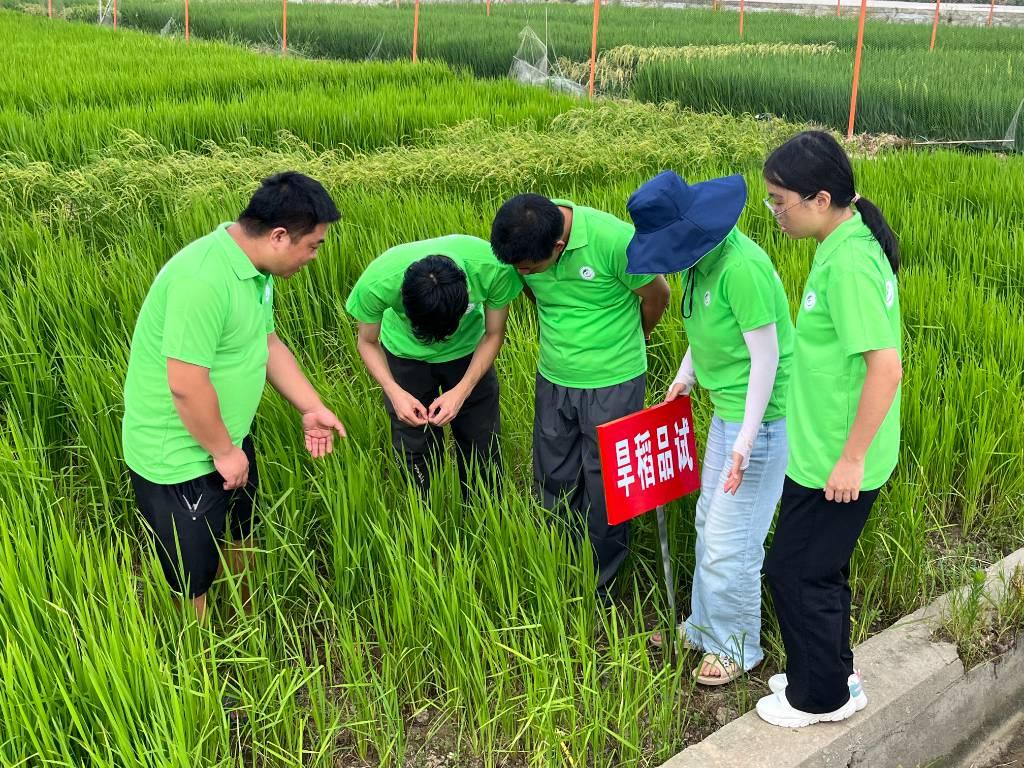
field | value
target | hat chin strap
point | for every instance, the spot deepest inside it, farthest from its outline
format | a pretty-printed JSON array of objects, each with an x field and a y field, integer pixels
[{"x": 688, "y": 289}]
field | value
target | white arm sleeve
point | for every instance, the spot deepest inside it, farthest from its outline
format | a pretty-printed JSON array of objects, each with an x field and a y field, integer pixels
[
  {"x": 763, "y": 344},
  {"x": 686, "y": 376}
]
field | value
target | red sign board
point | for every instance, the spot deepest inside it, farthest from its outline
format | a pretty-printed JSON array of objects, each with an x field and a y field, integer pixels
[{"x": 648, "y": 458}]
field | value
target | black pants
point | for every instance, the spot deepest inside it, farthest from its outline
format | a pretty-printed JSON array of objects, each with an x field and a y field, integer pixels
[
  {"x": 475, "y": 428},
  {"x": 188, "y": 520},
  {"x": 808, "y": 571},
  {"x": 567, "y": 464}
]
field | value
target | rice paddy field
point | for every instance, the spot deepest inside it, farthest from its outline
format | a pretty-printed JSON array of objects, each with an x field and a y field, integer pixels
[
  {"x": 798, "y": 68},
  {"x": 386, "y": 631}
]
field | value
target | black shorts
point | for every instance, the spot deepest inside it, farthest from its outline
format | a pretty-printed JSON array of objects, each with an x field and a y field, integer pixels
[{"x": 187, "y": 521}]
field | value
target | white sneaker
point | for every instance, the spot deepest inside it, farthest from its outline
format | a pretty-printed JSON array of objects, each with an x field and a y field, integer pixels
[
  {"x": 778, "y": 683},
  {"x": 775, "y": 709}
]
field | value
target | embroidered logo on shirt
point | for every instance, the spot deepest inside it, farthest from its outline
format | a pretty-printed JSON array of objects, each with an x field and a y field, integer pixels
[
  {"x": 707, "y": 298},
  {"x": 587, "y": 273},
  {"x": 810, "y": 300},
  {"x": 890, "y": 293},
  {"x": 470, "y": 308},
  {"x": 266, "y": 293}
]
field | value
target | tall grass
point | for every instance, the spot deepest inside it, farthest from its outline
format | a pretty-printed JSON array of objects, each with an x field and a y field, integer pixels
[
  {"x": 461, "y": 34},
  {"x": 386, "y": 630},
  {"x": 914, "y": 94},
  {"x": 70, "y": 90},
  {"x": 967, "y": 89}
]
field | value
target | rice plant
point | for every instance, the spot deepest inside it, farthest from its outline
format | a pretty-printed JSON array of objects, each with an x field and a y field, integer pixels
[
  {"x": 387, "y": 631},
  {"x": 68, "y": 92},
  {"x": 967, "y": 89}
]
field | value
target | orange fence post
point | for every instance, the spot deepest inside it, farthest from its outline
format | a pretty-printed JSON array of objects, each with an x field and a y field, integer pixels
[
  {"x": 416, "y": 31},
  {"x": 935, "y": 24},
  {"x": 839, "y": 7},
  {"x": 856, "y": 67},
  {"x": 284, "y": 27},
  {"x": 742, "y": 13},
  {"x": 991, "y": 10},
  {"x": 115, "y": 14},
  {"x": 593, "y": 47},
  {"x": 49, "y": 9},
  {"x": 186, "y": 21},
  {"x": 488, "y": 7}
]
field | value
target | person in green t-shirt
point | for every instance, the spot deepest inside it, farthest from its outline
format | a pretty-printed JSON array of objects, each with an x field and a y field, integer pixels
[
  {"x": 203, "y": 349},
  {"x": 594, "y": 320},
  {"x": 843, "y": 417},
  {"x": 740, "y": 338},
  {"x": 432, "y": 318}
]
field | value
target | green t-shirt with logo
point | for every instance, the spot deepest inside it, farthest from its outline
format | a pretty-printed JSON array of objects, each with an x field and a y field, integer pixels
[
  {"x": 208, "y": 306},
  {"x": 850, "y": 306},
  {"x": 377, "y": 295},
  {"x": 591, "y": 334},
  {"x": 737, "y": 290}
]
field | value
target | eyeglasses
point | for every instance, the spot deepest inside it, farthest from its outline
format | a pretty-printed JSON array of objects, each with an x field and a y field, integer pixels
[{"x": 771, "y": 206}]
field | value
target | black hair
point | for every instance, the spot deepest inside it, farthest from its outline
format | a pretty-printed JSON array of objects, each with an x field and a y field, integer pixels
[
  {"x": 526, "y": 229},
  {"x": 435, "y": 296},
  {"x": 290, "y": 200},
  {"x": 812, "y": 162}
]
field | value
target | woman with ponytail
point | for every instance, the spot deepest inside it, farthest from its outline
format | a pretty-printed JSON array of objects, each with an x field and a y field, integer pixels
[{"x": 843, "y": 422}]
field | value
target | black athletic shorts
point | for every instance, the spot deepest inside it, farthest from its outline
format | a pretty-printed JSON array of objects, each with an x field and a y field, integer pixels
[{"x": 187, "y": 521}]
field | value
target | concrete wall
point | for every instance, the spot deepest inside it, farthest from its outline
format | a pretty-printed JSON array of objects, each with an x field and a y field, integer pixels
[{"x": 923, "y": 707}]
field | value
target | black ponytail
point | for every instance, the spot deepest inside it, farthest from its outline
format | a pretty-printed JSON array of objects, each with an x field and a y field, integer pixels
[
  {"x": 879, "y": 227},
  {"x": 813, "y": 162}
]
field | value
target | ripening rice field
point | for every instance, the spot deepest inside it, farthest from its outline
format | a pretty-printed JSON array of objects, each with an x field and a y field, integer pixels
[{"x": 387, "y": 631}]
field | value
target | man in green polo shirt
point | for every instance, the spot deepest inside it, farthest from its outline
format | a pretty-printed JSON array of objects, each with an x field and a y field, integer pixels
[
  {"x": 204, "y": 346},
  {"x": 594, "y": 319},
  {"x": 431, "y": 320}
]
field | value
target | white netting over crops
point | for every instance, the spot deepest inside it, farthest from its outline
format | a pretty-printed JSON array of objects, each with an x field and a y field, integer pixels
[
  {"x": 105, "y": 12},
  {"x": 533, "y": 66}
]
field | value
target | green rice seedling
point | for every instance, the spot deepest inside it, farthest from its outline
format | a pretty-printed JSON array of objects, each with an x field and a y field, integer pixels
[{"x": 385, "y": 629}]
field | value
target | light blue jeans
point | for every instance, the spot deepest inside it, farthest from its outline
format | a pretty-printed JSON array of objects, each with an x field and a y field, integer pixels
[{"x": 725, "y": 608}]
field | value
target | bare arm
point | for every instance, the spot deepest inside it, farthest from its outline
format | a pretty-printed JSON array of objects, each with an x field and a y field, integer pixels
[
  {"x": 447, "y": 406},
  {"x": 885, "y": 371},
  {"x": 195, "y": 400},
  {"x": 654, "y": 298},
  {"x": 408, "y": 408},
  {"x": 285, "y": 375},
  {"x": 318, "y": 422}
]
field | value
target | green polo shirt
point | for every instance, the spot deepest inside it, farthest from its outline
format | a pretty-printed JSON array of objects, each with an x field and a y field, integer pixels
[
  {"x": 377, "y": 295},
  {"x": 208, "y": 306},
  {"x": 736, "y": 290},
  {"x": 850, "y": 306},
  {"x": 591, "y": 333}
]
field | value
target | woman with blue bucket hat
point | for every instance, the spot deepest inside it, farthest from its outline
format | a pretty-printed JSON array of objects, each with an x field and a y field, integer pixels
[{"x": 740, "y": 336}]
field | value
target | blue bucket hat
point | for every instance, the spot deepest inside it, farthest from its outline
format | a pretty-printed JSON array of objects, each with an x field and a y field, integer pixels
[{"x": 678, "y": 224}]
